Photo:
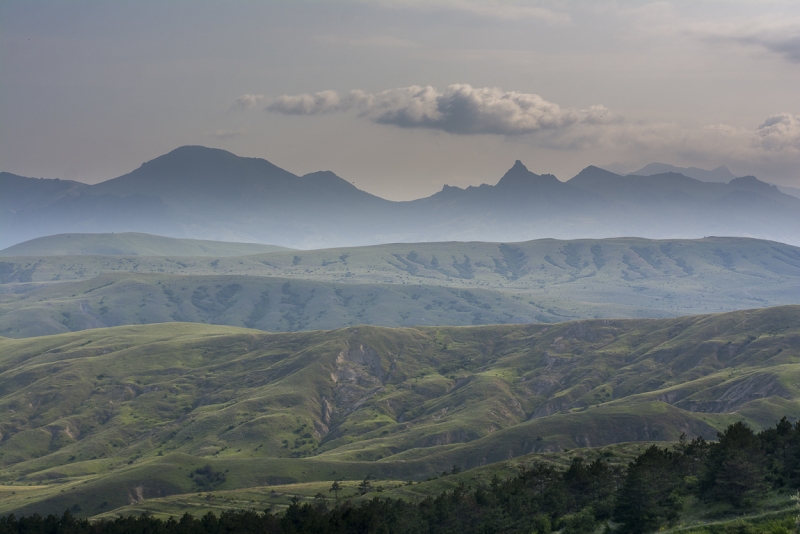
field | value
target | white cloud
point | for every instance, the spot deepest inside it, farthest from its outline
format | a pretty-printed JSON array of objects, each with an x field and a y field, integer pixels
[
  {"x": 249, "y": 101},
  {"x": 771, "y": 148},
  {"x": 459, "y": 109},
  {"x": 780, "y": 132},
  {"x": 306, "y": 104}
]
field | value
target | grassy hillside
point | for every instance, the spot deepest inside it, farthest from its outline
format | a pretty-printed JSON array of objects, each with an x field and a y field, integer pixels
[
  {"x": 110, "y": 417},
  {"x": 400, "y": 285},
  {"x": 520, "y": 266},
  {"x": 132, "y": 244},
  {"x": 268, "y": 303}
]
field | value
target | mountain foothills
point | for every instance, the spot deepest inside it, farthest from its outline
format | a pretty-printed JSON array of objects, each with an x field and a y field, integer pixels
[
  {"x": 389, "y": 285},
  {"x": 144, "y": 418},
  {"x": 197, "y": 192}
]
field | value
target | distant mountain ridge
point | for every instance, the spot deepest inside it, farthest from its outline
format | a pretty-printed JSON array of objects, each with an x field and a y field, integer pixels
[
  {"x": 720, "y": 174},
  {"x": 132, "y": 244},
  {"x": 203, "y": 193}
]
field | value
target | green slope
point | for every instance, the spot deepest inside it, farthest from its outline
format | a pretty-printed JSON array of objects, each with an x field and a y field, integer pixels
[
  {"x": 132, "y": 244},
  {"x": 644, "y": 263},
  {"x": 401, "y": 285},
  {"x": 116, "y": 415},
  {"x": 269, "y": 303}
]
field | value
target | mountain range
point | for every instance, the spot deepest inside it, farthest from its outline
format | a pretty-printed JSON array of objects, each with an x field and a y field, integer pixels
[
  {"x": 721, "y": 174},
  {"x": 204, "y": 193}
]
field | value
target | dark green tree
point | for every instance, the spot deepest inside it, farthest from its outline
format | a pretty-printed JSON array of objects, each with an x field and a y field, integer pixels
[
  {"x": 336, "y": 488},
  {"x": 735, "y": 468},
  {"x": 648, "y": 497},
  {"x": 366, "y": 485}
]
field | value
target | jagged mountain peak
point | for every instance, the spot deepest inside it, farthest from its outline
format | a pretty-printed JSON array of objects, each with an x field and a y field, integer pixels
[{"x": 519, "y": 176}]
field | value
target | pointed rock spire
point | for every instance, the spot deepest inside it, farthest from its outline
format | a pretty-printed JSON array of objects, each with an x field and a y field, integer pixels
[{"x": 519, "y": 176}]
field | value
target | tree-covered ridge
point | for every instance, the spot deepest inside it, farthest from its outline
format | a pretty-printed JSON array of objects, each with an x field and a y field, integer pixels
[{"x": 733, "y": 475}]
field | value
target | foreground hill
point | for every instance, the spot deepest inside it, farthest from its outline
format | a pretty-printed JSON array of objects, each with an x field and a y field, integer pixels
[
  {"x": 132, "y": 244},
  {"x": 400, "y": 285},
  {"x": 113, "y": 416},
  {"x": 199, "y": 192}
]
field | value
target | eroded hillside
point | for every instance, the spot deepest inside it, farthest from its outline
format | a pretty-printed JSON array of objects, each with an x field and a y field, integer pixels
[{"x": 112, "y": 412}]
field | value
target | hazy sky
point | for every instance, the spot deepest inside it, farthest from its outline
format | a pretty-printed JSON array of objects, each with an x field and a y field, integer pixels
[{"x": 401, "y": 97}]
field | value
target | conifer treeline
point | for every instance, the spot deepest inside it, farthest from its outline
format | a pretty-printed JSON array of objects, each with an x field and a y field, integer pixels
[{"x": 737, "y": 471}]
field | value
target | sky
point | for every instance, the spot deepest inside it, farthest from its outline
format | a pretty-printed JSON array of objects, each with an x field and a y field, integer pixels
[{"x": 401, "y": 97}]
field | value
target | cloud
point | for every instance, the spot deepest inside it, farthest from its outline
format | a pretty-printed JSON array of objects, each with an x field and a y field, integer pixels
[
  {"x": 787, "y": 46},
  {"x": 780, "y": 132},
  {"x": 459, "y": 109},
  {"x": 771, "y": 148},
  {"x": 773, "y": 31},
  {"x": 249, "y": 101},
  {"x": 306, "y": 104},
  {"x": 777, "y": 35}
]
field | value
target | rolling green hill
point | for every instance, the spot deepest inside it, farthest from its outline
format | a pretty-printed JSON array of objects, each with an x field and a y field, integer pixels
[
  {"x": 132, "y": 244},
  {"x": 268, "y": 303},
  {"x": 401, "y": 285},
  {"x": 112, "y": 417}
]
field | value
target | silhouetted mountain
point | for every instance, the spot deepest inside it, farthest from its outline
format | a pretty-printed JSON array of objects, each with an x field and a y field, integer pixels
[
  {"x": 192, "y": 175},
  {"x": 792, "y": 191},
  {"x": 208, "y": 193},
  {"x": 205, "y": 193},
  {"x": 720, "y": 174},
  {"x": 19, "y": 192}
]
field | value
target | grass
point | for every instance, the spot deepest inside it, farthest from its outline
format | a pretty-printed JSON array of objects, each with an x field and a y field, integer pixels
[
  {"x": 417, "y": 284},
  {"x": 125, "y": 416}
]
